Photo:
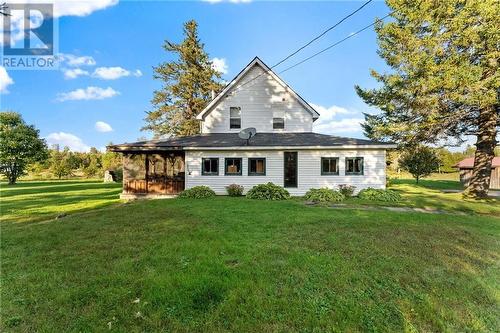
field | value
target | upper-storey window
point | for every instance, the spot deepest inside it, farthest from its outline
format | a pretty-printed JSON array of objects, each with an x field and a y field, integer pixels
[
  {"x": 234, "y": 117},
  {"x": 278, "y": 119}
]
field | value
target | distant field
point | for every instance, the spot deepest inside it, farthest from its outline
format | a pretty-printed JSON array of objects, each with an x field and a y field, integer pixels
[{"x": 239, "y": 265}]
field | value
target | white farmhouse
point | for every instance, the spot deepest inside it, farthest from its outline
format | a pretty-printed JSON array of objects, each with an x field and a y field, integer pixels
[{"x": 284, "y": 149}]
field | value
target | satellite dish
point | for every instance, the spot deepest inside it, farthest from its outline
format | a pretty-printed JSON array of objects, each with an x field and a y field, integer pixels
[{"x": 247, "y": 133}]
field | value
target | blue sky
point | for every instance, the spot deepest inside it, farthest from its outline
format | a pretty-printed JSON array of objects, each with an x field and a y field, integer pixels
[{"x": 105, "y": 82}]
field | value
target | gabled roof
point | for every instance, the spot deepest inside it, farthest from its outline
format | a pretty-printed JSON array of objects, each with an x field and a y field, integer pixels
[
  {"x": 300, "y": 140},
  {"x": 233, "y": 83},
  {"x": 468, "y": 163}
]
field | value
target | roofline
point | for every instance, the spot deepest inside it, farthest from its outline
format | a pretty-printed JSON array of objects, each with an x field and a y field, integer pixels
[
  {"x": 233, "y": 82},
  {"x": 340, "y": 147}
]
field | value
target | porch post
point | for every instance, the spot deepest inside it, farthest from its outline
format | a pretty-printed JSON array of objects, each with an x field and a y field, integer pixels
[{"x": 147, "y": 171}]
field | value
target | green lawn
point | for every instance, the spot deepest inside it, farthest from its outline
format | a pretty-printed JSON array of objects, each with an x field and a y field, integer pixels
[
  {"x": 34, "y": 201},
  {"x": 239, "y": 265}
]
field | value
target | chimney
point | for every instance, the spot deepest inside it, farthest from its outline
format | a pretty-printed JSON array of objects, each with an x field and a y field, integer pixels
[{"x": 213, "y": 94}]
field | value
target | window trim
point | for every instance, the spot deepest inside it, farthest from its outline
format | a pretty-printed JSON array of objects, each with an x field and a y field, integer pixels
[
  {"x": 225, "y": 166},
  {"x": 253, "y": 174},
  {"x": 324, "y": 173},
  {"x": 203, "y": 172},
  {"x": 361, "y": 173},
  {"x": 279, "y": 128},
  {"x": 230, "y": 118}
]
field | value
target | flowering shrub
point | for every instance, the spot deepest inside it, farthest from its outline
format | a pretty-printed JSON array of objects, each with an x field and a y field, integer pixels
[
  {"x": 234, "y": 190},
  {"x": 347, "y": 190}
]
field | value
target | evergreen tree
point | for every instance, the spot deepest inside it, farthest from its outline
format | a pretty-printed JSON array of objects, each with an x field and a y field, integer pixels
[
  {"x": 20, "y": 146},
  {"x": 444, "y": 82},
  {"x": 187, "y": 85}
]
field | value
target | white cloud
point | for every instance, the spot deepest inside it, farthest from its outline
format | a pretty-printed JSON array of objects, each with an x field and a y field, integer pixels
[
  {"x": 334, "y": 127},
  {"x": 74, "y": 73},
  {"x": 67, "y": 140},
  {"x": 113, "y": 73},
  {"x": 328, "y": 114},
  {"x": 103, "y": 127},
  {"x": 220, "y": 65},
  {"x": 329, "y": 124},
  {"x": 80, "y": 7},
  {"x": 61, "y": 8},
  {"x": 89, "y": 93},
  {"x": 75, "y": 61},
  {"x": 5, "y": 80}
]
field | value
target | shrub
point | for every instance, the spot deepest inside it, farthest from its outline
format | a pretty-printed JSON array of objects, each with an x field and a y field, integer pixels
[
  {"x": 347, "y": 190},
  {"x": 268, "y": 191},
  {"x": 197, "y": 192},
  {"x": 323, "y": 195},
  {"x": 379, "y": 195},
  {"x": 234, "y": 190}
]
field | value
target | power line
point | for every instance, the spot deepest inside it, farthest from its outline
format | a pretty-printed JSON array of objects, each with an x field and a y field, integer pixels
[
  {"x": 335, "y": 44},
  {"x": 307, "y": 44},
  {"x": 321, "y": 35}
]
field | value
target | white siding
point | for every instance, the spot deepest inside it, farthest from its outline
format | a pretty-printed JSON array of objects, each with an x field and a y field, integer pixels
[
  {"x": 257, "y": 100},
  {"x": 309, "y": 170}
]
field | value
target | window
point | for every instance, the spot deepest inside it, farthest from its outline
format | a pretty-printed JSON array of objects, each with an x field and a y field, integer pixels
[
  {"x": 278, "y": 123},
  {"x": 278, "y": 119},
  {"x": 354, "y": 165},
  {"x": 256, "y": 166},
  {"x": 210, "y": 166},
  {"x": 234, "y": 117},
  {"x": 329, "y": 166},
  {"x": 233, "y": 167}
]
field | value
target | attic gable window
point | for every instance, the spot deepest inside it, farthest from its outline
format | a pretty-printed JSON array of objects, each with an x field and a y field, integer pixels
[
  {"x": 278, "y": 120},
  {"x": 234, "y": 117}
]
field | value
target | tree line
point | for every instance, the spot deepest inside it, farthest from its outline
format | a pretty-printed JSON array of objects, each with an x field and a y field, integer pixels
[{"x": 23, "y": 151}]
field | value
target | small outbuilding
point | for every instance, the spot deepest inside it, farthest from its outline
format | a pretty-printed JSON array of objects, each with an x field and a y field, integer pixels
[{"x": 465, "y": 167}]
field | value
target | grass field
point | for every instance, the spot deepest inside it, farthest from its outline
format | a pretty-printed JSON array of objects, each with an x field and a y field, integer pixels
[
  {"x": 239, "y": 265},
  {"x": 34, "y": 201}
]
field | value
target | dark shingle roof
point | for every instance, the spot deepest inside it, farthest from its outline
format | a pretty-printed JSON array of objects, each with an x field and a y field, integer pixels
[{"x": 226, "y": 140}]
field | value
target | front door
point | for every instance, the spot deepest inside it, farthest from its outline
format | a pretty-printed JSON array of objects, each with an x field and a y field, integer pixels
[{"x": 290, "y": 171}]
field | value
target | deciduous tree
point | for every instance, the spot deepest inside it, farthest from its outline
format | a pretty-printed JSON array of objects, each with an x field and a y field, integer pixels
[
  {"x": 444, "y": 83},
  {"x": 20, "y": 145},
  {"x": 419, "y": 161}
]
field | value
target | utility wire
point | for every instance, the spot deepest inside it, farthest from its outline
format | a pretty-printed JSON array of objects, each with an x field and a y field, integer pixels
[
  {"x": 321, "y": 35},
  {"x": 335, "y": 44},
  {"x": 307, "y": 44}
]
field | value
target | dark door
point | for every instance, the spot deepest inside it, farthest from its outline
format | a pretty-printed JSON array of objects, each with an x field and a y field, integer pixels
[{"x": 290, "y": 169}]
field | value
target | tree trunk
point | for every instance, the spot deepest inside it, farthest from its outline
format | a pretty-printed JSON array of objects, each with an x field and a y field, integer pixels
[{"x": 485, "y": 151}]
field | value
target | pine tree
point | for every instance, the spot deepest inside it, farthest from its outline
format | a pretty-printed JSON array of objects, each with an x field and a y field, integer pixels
[
  {"x": 187, "y": 86},
  {"x": 444, "y": 82}
]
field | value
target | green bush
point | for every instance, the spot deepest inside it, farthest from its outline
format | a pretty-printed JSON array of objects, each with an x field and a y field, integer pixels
[
  {"x": 197, "y": 192},
  {"x": 268, "y": 191},
  {"x": 379, "y": 195},
  {"x": 234, "y": 190},
  {"x": 347, "y": 190},
  {"x": 323, "y": 195}
]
